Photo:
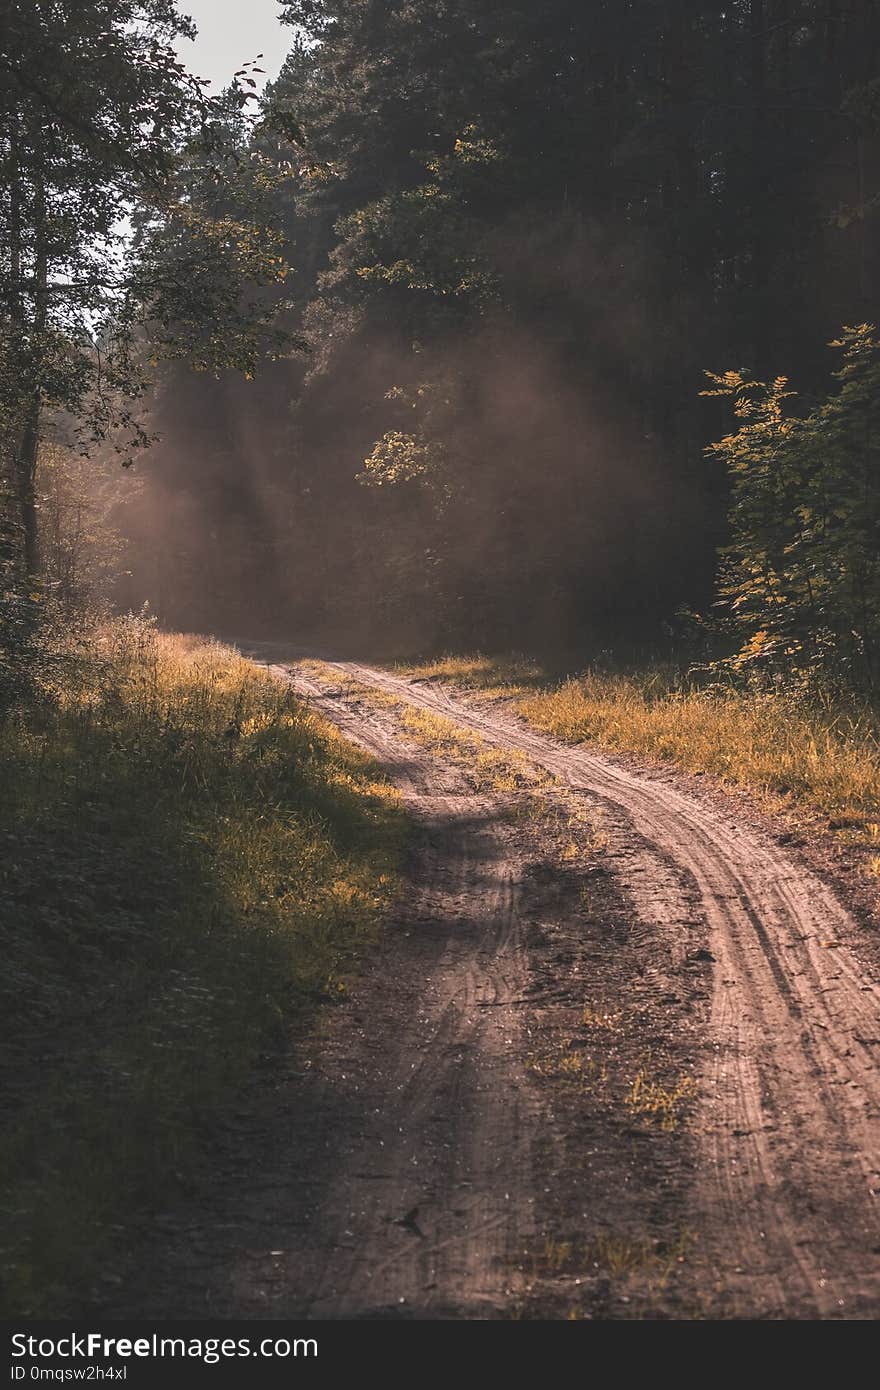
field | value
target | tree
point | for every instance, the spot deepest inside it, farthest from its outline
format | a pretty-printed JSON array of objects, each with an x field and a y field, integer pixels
[
  {"x": 801, "y": 580},
  {"x": 518, "y": 234},
  {"x": 96, "y": 114},
  {"x": 79, "y": 502}
]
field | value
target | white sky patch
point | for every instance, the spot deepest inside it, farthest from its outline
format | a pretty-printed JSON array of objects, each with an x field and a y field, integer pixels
[{"x": 233, "y": 32}]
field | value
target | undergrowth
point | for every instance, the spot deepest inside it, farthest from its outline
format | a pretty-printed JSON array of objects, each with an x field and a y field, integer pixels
[{"x": 190, "y": 861}]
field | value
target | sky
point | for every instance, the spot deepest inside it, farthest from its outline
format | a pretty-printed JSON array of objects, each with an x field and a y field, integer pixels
[{"x": 232, "y": 32}]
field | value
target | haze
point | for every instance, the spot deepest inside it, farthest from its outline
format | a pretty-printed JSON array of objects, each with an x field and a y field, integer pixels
[{"x": 231, "y": 34}]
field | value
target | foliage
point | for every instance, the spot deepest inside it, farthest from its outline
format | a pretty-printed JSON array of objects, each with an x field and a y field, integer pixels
[
  {"x": 550, "y": 218},
  {"x": 96, "y": 118},
  {"x": 511, "y": 237},
  {"x": 801, "y": 580},
  {"x": 210, "y": 272},
  {"x": 19, "y": 608},
  {"x": 425, "y": 239},
  {"x": 80, "y": 503},
  {"x": 191, "y": 860},
  {"x": 399, "y": 458},
  {"x": 93, "y": 106}
]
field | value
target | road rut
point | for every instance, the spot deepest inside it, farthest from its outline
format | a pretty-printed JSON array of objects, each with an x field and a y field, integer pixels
[
  {"x": 462, "y": 1137},
  {"x": 787, "y": 1188}
]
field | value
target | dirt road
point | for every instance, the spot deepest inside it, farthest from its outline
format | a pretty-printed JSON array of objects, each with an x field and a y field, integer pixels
[{"x": 616, "y": 1056}]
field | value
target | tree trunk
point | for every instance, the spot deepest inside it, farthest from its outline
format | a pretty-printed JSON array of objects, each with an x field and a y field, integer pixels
[
  {"x": 758, "y": 105},
  {"x": 26, "y": 472},
  {"x": 29, "y": 337}
]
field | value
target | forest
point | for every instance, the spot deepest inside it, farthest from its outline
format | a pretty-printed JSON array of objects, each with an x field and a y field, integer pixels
[
  {"x": 415, "y": 347},
  {"x": 547, "y": 332}
]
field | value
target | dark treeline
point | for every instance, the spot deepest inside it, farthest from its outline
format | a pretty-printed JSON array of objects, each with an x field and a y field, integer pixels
[{"x": 518, "y": 235}]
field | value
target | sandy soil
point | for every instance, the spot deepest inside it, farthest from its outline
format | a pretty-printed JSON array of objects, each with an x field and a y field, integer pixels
[{"x": 615, "y": 1056}]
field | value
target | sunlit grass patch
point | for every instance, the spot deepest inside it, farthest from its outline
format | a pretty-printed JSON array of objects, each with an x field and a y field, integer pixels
[
  {"x": 622, "y": 1255},
  {"x": 574, "y": 1066},
  {"x": 610, "y": 1252},
  {"x": 627, "y": 1262},
  {"x": 773, "y": 742},
  {"x": 817, "y": 755},
  {"x": 191, "y": 860},
  {"x": 487, "y": 768},
  {"x": 496, "y": 677},
  {"x": 609, "y": 1020},
  {"x": 659, "y": 1101}
]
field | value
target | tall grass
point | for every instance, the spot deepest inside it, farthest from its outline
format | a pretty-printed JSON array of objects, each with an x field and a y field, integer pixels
[
  {"x": 190, "y": 860},
  {"x": 494, "y": 676},
  {"x": 822, "y": 755}
]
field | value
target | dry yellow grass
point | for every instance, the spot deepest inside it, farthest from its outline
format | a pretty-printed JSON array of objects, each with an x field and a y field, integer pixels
[
  {"x": 658, "y": 1101},
  {"x": 820, "y": 757},
  {"x": 496, "y": 677},
  {"x": 486, "y": 768},
  {"x": 561, "y": 1063},
  {"x": 828, "y": 760}
]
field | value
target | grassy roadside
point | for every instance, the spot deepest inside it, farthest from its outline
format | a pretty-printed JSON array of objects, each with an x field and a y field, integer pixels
[
  {"x": 190, "y": 861},
  {"x": 820, "y": 759}
]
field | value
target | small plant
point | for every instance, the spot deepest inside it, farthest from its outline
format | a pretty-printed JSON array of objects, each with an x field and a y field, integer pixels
[
  {"x": 658, "y": 1101},
  {"x": 556, "y": 1255},
  {"x": 592, "y": 1018},
  {"x": 569, "y": 1065}
]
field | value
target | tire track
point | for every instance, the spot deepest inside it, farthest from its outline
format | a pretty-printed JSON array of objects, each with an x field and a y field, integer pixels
[
  {"x": 453, "y": 1143},
  {"x": 786, "y": 1198}
]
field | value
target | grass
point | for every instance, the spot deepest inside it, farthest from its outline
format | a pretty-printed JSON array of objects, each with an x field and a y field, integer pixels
[
  {"x": 485, "y": 768},
  {"x": 609, "y": 1019},
  {"x": 496, "y": 677},
  {"x": 823, "y": 758},
  {"x": 647, "y": 1097},
  {"x": 610, "y": 1252},
  {"x": 191, "y": 861},
  {"x": 562, "y": 1064},
  {"x": 635, "y": 1270},
  {"x": 658, "y": 1102}
]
